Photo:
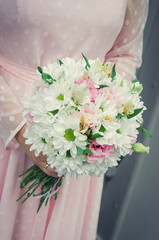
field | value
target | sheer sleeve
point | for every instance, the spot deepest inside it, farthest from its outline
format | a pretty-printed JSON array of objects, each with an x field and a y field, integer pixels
[
  {"x": 11, "y": 120},
  {"x": 127, "y": 49}
]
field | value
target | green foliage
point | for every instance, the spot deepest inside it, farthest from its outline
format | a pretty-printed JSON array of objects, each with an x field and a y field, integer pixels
[
  {"x": 96, "y": 135},
  {"x": 136, "y": 112},
  {"x": 38, "y": 179},
  {"x": 87, "y": 63},
  {"x": 119, "y": 116},
  {"x": 146, "y": 132},
  {"x": 60, "y": 62},
  {"x": 43, "y": 140},
  {"x": 89, "y": 132},
  {"x": 46, "y": 76},
  {"x": 102, "y": 129},
  {"x": 79, "y": 150},
  {"x": 134, "y": 81},
  {"x": 113, "y": 73},
  {"x": 88, "y": 151},
  {"x": 121, "y": 159},
  {"x": 40, "y": 69},
  {"x": 103, "y": 86}
]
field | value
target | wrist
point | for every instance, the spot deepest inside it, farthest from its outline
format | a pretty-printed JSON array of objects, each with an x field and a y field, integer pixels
[{"x": 19, "y": 136}]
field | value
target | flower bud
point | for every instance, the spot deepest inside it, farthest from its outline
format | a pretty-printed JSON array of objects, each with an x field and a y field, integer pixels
[{"x": 140, "y": 148}]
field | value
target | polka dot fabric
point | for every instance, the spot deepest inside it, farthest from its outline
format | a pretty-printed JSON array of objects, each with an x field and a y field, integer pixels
[{"x": 34, "y": 33}]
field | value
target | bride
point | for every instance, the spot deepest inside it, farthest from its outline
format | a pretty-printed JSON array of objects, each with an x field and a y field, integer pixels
[{"x": 34, "y": 33}]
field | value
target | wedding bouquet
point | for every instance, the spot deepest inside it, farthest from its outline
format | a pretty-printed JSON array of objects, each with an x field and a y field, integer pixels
[{"x": 85, "y": 117}]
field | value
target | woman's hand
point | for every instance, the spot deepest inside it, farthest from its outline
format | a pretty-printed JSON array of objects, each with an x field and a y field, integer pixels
[{"x": 40, "y": 161}]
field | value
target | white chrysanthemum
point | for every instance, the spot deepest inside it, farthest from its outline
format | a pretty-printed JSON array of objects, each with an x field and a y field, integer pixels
[
  {"x": 38, "y": 138},
  {"x": 67, "y": 166},
  {"x": 126, "y": 134},
  {"x": 107, "y": 107},
  {"x": 54, "y": 69},
  {"x": 38, "y": 111},
  {"x": 73, "y": 70},
  {"x": 110, "y": 133},
  {"x": 56, "y": 96},
  {"x": 64, "y": 138}
]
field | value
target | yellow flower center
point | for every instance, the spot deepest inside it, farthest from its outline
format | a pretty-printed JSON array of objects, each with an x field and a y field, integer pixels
[{"x": 107, "y": 118}]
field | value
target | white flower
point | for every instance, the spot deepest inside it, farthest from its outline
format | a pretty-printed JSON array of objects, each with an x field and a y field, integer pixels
[
  {"x": 127, "y": 131},
  {"x": 96, "y": 73},
  {"x": 56, "y": 96},
  {"x": 108, "y": 108},
  {"x": 64, "y": 138},
  {"x": 61, "y": 117},
  {"x": 73, "y": 71},
  {"x": 80, "y": 94}
]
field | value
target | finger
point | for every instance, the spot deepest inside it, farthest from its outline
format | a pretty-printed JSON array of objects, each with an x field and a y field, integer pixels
[{"x": 50, "y": 171}]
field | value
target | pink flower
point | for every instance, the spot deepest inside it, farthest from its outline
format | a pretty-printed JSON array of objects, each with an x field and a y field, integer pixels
[
  {"x": 90, "y": 85},
  {"x": 101, "y": 152},
  {"x": 29, "y": 118},
  {"x": 89, "y": 113},
  {"x": 112, "y": 93}
]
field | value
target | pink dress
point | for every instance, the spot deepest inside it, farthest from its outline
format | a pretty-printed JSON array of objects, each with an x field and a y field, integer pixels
[{"x": 34, "y": 33}]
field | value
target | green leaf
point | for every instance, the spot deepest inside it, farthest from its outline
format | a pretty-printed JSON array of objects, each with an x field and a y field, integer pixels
[
  {"x": 102, "y": 129},
  {"x": 146, "y": 132},
  {"x": 113, "y": 73},
  {"x": 141, "y": 124},
  {"x": 139, "y": 88},
  {"x": 89, "y": 132},
  {"x": 40, "y": 69},
  {"x": 79, "y": 150},
  {"x": 134, "y": 81},
  {"x": 60, "y": 62},
  {"x": 121, "y": 159},
  {"x": 89, "y": 140},
  {"x": 133, "y": 89},
  {"x": 88, "y": 151},
  {"x": 136, "y": 112},
  {"x": 87, "y": 63},
  {"x": 54, "y": 112},
  {"x": 119, "y": 116},
  {"x": 46, "y": 76},
  {"x": 43, "y": 140},
  {"x": 60, "y": 97},
  {"x": 96, "y": 135},
  {"x": 103, "y": 86}
]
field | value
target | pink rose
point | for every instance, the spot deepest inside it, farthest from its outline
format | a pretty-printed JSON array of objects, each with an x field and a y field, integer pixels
[
  {"x": 101, "y": 152},
  {"x": 90, "y": 85}
]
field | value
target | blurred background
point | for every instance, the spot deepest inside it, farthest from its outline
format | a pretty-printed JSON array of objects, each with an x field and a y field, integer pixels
[{"x": 130, "y": 200}]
